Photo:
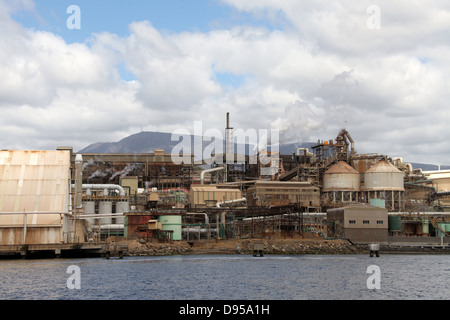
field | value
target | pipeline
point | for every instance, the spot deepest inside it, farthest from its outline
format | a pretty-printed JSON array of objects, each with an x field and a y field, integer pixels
[
  {"x": 202, "y": 174},
  {"x": 230, "y": 201},
  {"x": 104, "y": 186}
]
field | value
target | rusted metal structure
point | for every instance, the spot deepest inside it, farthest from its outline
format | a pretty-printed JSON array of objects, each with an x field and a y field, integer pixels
[
  {"x": 281, "y": 193},
  {"x": 152, "y": 169},
  {"x": 285, "y": 221}
]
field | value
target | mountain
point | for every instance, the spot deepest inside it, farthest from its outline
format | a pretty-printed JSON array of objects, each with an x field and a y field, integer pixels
[
  {"x": 428, "y": 167},
  {"x": 148, "y": 141},
  {"x": 143, "y": 142}
]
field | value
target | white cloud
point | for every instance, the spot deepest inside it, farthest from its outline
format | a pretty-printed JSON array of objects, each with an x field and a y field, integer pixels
[{"x": 323, "y": 70}]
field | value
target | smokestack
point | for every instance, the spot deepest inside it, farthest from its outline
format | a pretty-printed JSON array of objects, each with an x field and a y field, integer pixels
[
  {"x": 78, "y": 180},
  {"x": 229, "y": 141}
]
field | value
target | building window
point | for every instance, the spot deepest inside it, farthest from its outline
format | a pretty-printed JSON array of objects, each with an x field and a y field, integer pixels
[
  {"x": 352, "y": 221},
  {"x": 380, "y": 222},
  {"x": 365, "y": 221}
]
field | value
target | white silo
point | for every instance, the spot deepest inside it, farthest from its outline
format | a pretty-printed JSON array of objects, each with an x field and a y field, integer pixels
[
  {"x": 341, "y": 184},
  {"x": 105, "y": 207},
  {"x": 384, "y": 181},
  {"x": 122, "y": 207},
  {"x": 89, "y": 209}
]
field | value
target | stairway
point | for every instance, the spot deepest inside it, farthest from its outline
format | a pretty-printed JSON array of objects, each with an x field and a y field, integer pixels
[{"x": 437, "y": 226}]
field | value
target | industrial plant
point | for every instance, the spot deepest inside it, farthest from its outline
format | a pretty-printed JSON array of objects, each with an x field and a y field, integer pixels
[{"x": 64, "y": 202}]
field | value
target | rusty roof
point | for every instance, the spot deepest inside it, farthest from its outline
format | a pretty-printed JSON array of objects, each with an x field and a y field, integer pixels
[
  {"x": 341, "y": 167},
  {"x": 383, "y": 166}
]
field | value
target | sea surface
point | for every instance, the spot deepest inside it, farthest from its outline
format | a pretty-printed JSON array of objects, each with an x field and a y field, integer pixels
[{"x": 229, "y": 277}]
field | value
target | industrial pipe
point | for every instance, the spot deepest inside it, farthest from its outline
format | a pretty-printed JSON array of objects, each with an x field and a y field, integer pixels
[
  {"x": 201, "y": 213},
  {"x": 112, "y": 227},
  {"x": 197, "y": 230},
  {"x": 230, "y": 201},
  {"x": 202, "y": 174},
  {"x": 105, "y": 186}
]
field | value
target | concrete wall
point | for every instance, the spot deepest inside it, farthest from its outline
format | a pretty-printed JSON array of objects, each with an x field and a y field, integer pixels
[
  {"x": 419, "y": 240},
  {"x": 366, "y": 235}
]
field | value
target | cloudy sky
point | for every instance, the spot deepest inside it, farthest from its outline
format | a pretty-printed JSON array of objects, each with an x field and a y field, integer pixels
[{"x": 380, "y": 69}]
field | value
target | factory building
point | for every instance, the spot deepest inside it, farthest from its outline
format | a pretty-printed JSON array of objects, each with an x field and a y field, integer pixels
[
  {"x": 359, "y": 223},
  {"x": 35, "y": 202},
  {"x": 154, "y": 169},
  {"x": 58, "y": 197},
  {"x": 283, "y": 193},
  {"x": 205, "y": 196}
]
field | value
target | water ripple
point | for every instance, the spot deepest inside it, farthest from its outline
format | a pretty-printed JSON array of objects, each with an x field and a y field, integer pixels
[{"x": 272, "y": 277}]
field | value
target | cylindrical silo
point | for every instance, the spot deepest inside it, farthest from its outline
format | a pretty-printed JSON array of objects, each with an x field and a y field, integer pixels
[
  {"x": 341, "y": 176},
  {"x": 384, "y": 176},
  {"x": 105, "y": 207},
  {"x": 122, "y": 207},
  {"x": 394, "y": 223},
  {"x": 385, "y": 181},
  {"x": 425, "y": 226},
  {"x": 172, "y": 222},
  {"x": 341, "y": 183},
  {"x": 89, "y": 209}
]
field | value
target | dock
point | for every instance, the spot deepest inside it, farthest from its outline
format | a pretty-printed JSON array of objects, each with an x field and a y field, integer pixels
[{"x": 88, "y": 249}]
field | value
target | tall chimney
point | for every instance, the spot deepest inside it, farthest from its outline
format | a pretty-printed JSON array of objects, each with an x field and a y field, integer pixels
[{"x": 229, "y": 143}]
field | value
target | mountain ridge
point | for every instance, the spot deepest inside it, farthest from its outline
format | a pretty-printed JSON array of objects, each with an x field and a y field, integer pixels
[{"x": 149, "y": 141}]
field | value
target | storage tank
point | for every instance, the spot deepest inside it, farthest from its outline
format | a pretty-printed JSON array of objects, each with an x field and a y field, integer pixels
[
  {"x": 341, "y": 176},
  {"x": 425, "y": 226},
  {"x": 105, "y": 207},
  {"x": 341, "y": 184},
  {"x": 89, "y": 209},
  {"x": 172, "y": 222},
  {"x": 394, "y": 223},
  {"x": 385, "y": 181},
  {"x": 122, "y": 207},
  {"x": 383, "y": 176}
]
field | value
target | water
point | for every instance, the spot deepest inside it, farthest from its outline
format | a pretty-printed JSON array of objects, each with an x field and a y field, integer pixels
[{"x": 228, "y": 277}]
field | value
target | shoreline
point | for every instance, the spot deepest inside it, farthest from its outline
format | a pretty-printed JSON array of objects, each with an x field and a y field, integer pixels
[
  {"x": 253, "y": 246},
  {"x": 271, "y": 247}
]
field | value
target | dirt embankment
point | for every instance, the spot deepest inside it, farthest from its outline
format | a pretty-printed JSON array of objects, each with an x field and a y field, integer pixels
[{"x": 243, "y": 246}]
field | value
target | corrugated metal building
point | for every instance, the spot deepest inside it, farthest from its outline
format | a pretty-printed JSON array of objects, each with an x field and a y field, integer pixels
[
  {"x": 34, "y": 196},
  {"x": 202, "y": 196}
]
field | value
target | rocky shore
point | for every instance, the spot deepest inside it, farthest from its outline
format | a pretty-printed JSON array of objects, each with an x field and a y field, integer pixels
[
  {"x": 300, "y": 246},
  {"x": 243, "y": 246},
  {"x": 141, "y": 248}
]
